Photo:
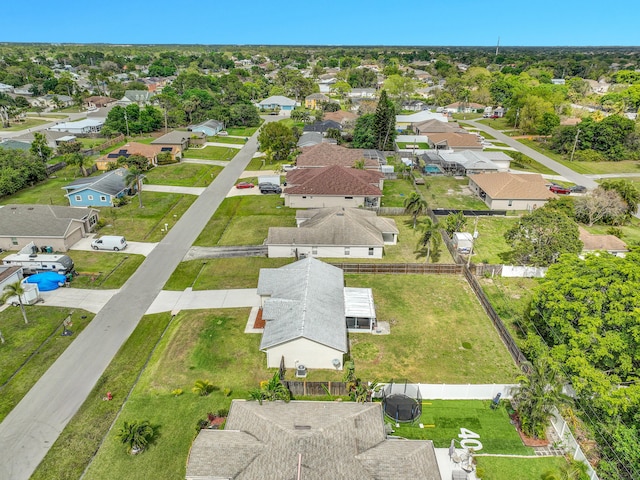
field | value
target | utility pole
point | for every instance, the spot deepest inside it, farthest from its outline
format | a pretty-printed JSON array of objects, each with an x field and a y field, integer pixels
[
  {"x": 473, "y": 241},
  {"x": 515, "y": 125},
  {"x": 126, "y": 121},
  {"x": 575, "y": 144}
]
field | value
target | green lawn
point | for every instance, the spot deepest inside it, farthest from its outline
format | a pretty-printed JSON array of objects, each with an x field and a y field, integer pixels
[
  {"x": 260, "y": 163},
  {"x": 183, "y": 174},
  {"x": 231, "y": 140},
  {"x": 242, "y": 131},
  {"x": 48, "y": 191},
  {"x": 495, "y": 123},
  {"x": 444, "y": 419},
  {"x": 245, "y": 220},
  {"x": 490, "y": 242},
  {"x": 103, "y": 270},
  {"x": 211, "y": 153},
  {"x": 450, "y": 192},
  {"x": 624, "y": 166},
  {"x": 411, "y": 145},
  {"x": 144, "y": 224},
  {"x": 42, "y": 334},
  {"x": 510, "y": 468},
  {"x": 24, "y": 125},
  {"x": 396, "y": 191},
  {"x": 527, "y": 164}
]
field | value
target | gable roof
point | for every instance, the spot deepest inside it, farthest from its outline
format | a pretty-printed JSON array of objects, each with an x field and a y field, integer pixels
[
  {"x": 608, "y": 243},
  {"x": 278, "y": 100},
  {"x": 333, "y": 180},
  {"x": 510, "y": 186},
  {"x": 214, "y": 124},
  {"x": 306, "y": 301},
  {"x": 322, "y": 126},
  {"x": 335, "y": 226},
  {"x": 456, "y": 140},
  {"x": 137, "y": 95},
  {"x": 341, "y": 116},
  {"x": 327, "y": 154},
  {"x": 173, "y": 138},
  {"x": 134, "y": 148},
  {"x": 421, "y": 117},
  {"x": 11, "y": 144},
  {"x": 40, "y": 220},
  {"x": 469, "y": 159},
  {"x": 436, "y": 126},
  {"x": 110, "y": 183},
  {"x": 336, "y": 440},
  {"x": 317, "y": 96}
]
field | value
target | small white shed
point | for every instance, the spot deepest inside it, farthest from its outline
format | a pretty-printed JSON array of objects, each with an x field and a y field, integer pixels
[{"x": 463, "y": 242}]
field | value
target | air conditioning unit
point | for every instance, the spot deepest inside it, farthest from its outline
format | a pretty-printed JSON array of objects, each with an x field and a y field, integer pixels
[{"x": 301, "y": 371}]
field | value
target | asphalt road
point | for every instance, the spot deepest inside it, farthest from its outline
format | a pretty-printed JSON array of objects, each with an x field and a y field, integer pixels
[
  {"x": 567, "y": 173},
  {"x": 35, "y": 423}
]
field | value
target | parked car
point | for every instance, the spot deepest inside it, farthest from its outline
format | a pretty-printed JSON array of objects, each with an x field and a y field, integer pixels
[
  {"x": 269, "y": 188},
  {"x": 222, "y": 133},
  {"x": 109, "y": 242},
  {"x": 245, "y": 185},
  {"x": 560, "y": 190},
  {"x": 578, "y": 189},
  {"x": 288, "y": 167}
]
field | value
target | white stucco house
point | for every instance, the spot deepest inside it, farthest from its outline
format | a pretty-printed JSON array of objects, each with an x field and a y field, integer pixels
[
  {"x": 278, "y": 103},
  {"x": 511, "y": 191},
  {"x": 305, "y": 306}
]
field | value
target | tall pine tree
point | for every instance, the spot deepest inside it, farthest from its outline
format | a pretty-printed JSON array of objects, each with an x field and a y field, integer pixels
[{"x": 385, "y": 119}]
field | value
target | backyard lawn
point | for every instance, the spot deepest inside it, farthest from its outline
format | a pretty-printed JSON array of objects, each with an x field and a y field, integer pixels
[
  {"x": 444, "y": 419},
  {"x": 211, "y": 153},
  {"x": 19, "y": 370},
  {"x": 396, "y": 191},
  {"x": 28, "y": 123},
  {"x": 490, "y": 243},
  {"x": 103, "y": 270},
  {"x": 230, "y": 140},
  {"x": 510, "y": 298},
  {"x": 47, "y": 192},
  {"x": 242, "y": 131},
  {"x": 183, "y": 175},
  {"x": 450, "y": 192},
  {"x": 510, "y": 468}
]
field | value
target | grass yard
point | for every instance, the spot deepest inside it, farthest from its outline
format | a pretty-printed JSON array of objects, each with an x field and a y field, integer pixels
[
  {"x": 396, "y": 191},
  {"x": 211, "y": 153},
  {"x": 412, "y": 145},
  {"x": 595, "y": 168},
  {"x": 510, "y": 468},
  {"x": 198, "y": 345},
  {"x": 103, "y": 270},
  {"x": 527, "y": 164},
  {"x": 144, "y": 224},
  {"x": 490, "y": 243},
  {"x": 78, "y": 442},
  {"x": 260, "y": 163},
  {"x": 242, "y": 131},
  {"x": 42, "y": 334},
  {"x": 48, "y": 191},
  {"x": 221, "y": 273},
  {"x": 509, "y": 297},
  {"x": 183, "y": 175},
  {"x": 444, "y": 419},
  {"x": 245, "y": 220},
  {"x": 230, "y": 140},
  {"x": 28, "y": 123},
  {"x": 450, "y": 192},
  {"x": 495, "y": 123}
]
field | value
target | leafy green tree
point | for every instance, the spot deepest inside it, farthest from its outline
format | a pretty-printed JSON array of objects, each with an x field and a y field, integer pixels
[
  {"x": 335, "y": 134},
  {"x": 400, "y": 87},
  {"x": 384, "y": 123},
  {"x": 454, "y": 222},
  {"x": 548, "y": 123},
  {"x": 15, "y": 289},
  {"x": 244, "y": 115},
  {"x": 627, "y": 191},
  {"x": 136, "y": 435},
  {"x": 538, "y": 392},
  {"x": 277, "y": 140},
  {"x": 415, "y": 206},
  {"x": 541, "y": 237},
  {"x": 39, "y": 147},
  {"x": 363, "y": 133}
]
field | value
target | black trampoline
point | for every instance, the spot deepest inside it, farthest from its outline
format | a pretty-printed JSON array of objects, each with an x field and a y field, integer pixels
[{"x": 402, "y": 402}]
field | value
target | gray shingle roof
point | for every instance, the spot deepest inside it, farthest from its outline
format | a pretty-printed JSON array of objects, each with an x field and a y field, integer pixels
[
  {"x": 172, "y": 138},
  {"x": 278, "y": 100},
  {"x": 110, "y": 183},
  {"x": 39, "y": 220},
  {"x": 335, "y": 441},
  {"x": 335, "y": 226},
  {"x": 307, "y": 301}
]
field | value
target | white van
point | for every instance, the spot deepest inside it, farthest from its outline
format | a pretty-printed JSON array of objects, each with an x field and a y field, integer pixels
[{"x": 109, "y": 242}]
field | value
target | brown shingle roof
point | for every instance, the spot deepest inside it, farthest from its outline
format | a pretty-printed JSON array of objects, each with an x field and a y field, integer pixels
[
  {"x": 608, "y": 243},
  {"x": 333, "y": 180},
  {"x": 326, "y": 154},
  {"x": 510, "y": 186},
  {"x": 458, "y": 140},
  {"x": 436, "y": 126},
  {"x": 341, "y": 116}
]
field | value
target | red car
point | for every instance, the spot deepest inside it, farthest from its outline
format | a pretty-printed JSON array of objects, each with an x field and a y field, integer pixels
[
  {"x": 245, "y": 185},
  {"x": 559, "y": 190}
]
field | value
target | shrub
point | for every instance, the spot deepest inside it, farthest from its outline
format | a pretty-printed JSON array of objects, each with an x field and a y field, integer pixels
[
  {"x": 177, "y": 392},
  {"x": 202, "y": 387},
  {"x": 136, "y": 435}
]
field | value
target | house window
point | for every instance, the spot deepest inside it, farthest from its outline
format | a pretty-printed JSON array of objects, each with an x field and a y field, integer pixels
[
  {"x": 346, "y": 250},
  {"x": 14, "y": 241},
  {"x": 304, "y": 196},
  {"x": 348, "y": 198},
  {"x": 92, "y": 220},
  {"x": 103, "y": 198},
  {"x": 78, "y": 198},
  {"x": 510, "y": 203},
  {"x": 370, "y": 250},
  {"x": 314, "y": 250},
  {"x": 89, "y": 197}
]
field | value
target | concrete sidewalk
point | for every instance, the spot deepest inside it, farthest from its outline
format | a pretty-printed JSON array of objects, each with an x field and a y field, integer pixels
[
  {"x": 137, "y": 248},
  {"x": 173, "y": 189}
]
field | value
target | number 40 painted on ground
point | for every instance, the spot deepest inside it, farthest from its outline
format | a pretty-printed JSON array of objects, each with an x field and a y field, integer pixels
[{"x": 470, "y": 439}]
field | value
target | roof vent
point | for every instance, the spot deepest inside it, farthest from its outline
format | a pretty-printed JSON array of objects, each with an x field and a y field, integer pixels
[
  {"x": 301, "y": 371},
  {"x": 302, "y": 427}
]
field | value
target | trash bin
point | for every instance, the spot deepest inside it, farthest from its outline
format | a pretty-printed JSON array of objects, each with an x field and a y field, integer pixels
[{"x": 49, "y": 249}]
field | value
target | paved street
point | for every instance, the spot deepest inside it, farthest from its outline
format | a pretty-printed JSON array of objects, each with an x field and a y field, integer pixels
[{"x": 35, "y": 423}]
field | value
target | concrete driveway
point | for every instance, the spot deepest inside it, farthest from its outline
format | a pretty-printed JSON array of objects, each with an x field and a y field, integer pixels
[
  {"x": 171, "y": 301},
  {"x": 90, "y": 300},
  {"x": 173, "y": 189},
  {"x": 138, "y": 248}
]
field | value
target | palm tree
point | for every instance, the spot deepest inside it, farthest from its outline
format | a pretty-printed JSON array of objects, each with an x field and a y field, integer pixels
[
  {"x": 537, "y": 395},
  {"x": 135, "y": 177},
  {"x": 430, "y": 238},
  {"x": 15, "y": 289},
  {"x": 415, "y": 205},
  {"x": 136, "y": 435},
  {"x": 272, "y": 390},
  {"x": 202, "y": 387}
]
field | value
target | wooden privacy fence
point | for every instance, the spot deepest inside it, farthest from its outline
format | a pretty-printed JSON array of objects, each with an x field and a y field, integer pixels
[
  {"x": 400, "y": 268},
  {"x": 304, "y": 388}
]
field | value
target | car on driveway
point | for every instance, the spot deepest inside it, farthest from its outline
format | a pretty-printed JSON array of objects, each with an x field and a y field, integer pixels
[
  {"x": 560, "y": 190},
  {"x": 245, "y": 185},
  {"x": 269, "y": 188},
  {"x": 578, "y": 189}
]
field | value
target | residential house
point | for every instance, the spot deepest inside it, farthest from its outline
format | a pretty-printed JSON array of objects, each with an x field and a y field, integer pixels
[
  {"x": 24, "y": 90},
  {"x": 404, "y": 121},
  {"x": 333, "y": 186},
  {"x": 100, "y": 191},
  {"x": 335, "y": 232},
  {"x": 602, "y": 243},
  {"x": 210, "y": 128},
  {"x": 51, "y": 225},
  {"x": 315, "y": 101},
  {"x": 51, "y": 136},
  {"x": 309, "y": 139},
  {"x": 322, "y": 127},
  {"x": 428, "y": 127},
  {"x": 412, "y": 144},
  {"x": 97, "y": 101},
  {"x": 455, "y": 141},
  {"x": 86, "y": 126},
  {"x": 326, "y": 154},
  {"x": 511, "y": 191},
  {"x": 558, "y": 81},
  {"x": 467, "y": 162},
  {"x": 278, "y": 103},
  {"x": 133, "y": 148},
  {"x": 498, "y": 112},
  {"x": 4, "y": 88},
  {"x": 139, "y": 97},
  {"x": 10, "y": 144},
  {"x": 9, "y": 274},
  {"x": 180, "y": 141},
  {"x": 362, "y": 93},
  {"x": 464, "y": 107},
  {"x": 343, "y": 117},
  {"x": 52, "y": 101},
  {"x": 318, "y": 440},
  {"x": 414, "y": 105}
]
